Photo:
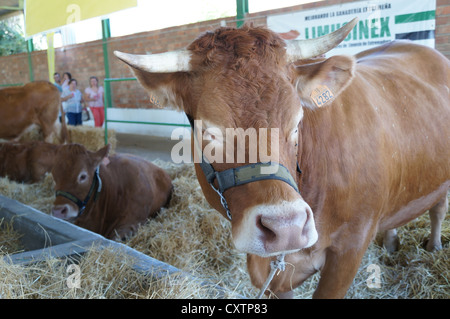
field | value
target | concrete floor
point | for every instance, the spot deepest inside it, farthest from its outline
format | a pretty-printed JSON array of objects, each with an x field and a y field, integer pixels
[{"x": 148, "y": 147}]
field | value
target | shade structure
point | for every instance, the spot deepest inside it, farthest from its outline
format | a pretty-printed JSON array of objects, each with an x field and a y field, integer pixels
[{"x": 45, "y": 15}]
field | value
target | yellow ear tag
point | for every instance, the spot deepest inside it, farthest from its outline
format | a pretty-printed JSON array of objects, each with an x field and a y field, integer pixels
[{"x": 321, "y": 95}]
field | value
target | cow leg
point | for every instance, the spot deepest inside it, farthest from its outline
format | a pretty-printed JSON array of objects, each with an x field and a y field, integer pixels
[
  {"x": 342, "y": 263},
  {"x": 437, "y": 215},
  {"x": 390, "y": 240},
  {"x": 48, "y": 132}
]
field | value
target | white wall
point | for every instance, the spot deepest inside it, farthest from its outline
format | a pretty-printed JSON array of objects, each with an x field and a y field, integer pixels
[{"x": 145, "y": 115}]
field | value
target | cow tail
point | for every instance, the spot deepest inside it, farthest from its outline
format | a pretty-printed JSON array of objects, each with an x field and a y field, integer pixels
[{"x": 64, "y": 133}]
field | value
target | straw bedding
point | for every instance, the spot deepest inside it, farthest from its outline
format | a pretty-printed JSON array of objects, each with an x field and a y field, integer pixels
[
  {"x": 190, "y": 235},
  {"x": 193, "y": 237},
  {"x": 93, "y": 138}
]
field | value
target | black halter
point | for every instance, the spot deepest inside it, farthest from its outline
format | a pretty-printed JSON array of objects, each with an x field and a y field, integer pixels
[
  {"x": 242, "y": 175},
  {"x": 96, "y": 185}
]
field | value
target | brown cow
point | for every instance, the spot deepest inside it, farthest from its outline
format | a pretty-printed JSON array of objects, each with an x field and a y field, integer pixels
[
  {"x": 26, "y": 162},
  {"x": 107, "y": 195},
  {"x": 34, "y": 103},
  {"x": 370, "y": 134}
]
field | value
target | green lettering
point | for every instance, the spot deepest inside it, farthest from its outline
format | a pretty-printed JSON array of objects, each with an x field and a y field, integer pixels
[
  {"x": 306, "y": 33},
  {"x": 323, "y": 30},
  {"x": 373, "y": 29},
  {"x": 363, "y": 30},
  {"x": 334, "y": 27},
  {"x": 385, "y": 32},
  {"x": 349, "y": 37}
]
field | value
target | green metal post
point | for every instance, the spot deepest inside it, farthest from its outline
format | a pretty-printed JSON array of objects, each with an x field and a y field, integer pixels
[
  {"x": 106, "y": 34},
  {"x": 241, "y": 12},
  {"x": 106, "y": 111},
  {"x": 30, "y": 48}
]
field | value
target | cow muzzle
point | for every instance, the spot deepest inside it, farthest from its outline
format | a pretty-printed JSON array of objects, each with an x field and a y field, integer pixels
[
  {"x": 65, "y": 211},
  {"x": 268, "y": 230}
]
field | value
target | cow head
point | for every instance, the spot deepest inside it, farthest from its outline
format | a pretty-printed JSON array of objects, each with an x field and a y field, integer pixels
[
  {"x": 243, "y": 81},
  {"x": 76, "y": 182}
]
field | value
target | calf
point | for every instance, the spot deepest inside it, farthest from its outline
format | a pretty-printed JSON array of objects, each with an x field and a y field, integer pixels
[
  {"x": 26, "y": 162},
  {"x": 107, "y": 195}
]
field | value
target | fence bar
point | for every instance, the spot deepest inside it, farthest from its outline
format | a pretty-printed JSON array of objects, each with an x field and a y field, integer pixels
[
  {"x": 148, "y": 123},
  {"x": 12, "y": 84},
  {"x": 108, "y": 104}
]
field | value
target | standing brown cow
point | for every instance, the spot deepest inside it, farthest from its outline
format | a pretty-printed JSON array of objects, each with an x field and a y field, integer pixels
[
  {"x": 107, "y": 195},
  {"x": 34, "y": 103},
  {"x": 365, "y": 139}
]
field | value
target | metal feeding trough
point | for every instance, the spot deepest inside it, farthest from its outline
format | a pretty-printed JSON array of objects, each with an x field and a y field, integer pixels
[
  {"x": 44, "y": 236},
  {"x": 47, "y": 237}
]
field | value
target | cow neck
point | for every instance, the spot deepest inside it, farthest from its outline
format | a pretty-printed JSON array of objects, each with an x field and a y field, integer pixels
[
  {"x": 313, "y": 158},
  {"x": 241, "y": 175}
]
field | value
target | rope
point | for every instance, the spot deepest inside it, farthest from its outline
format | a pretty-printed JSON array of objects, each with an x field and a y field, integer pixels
[{"x": 275, "y": 265}]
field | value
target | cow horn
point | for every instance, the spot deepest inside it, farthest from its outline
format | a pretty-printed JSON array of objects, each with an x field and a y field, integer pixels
[
  {"x": 167, "y": 62},
  {"x": 304, "y": 49}
]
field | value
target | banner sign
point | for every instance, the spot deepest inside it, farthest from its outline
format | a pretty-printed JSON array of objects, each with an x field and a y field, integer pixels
[
  {"x": 380, "y": 21},
  {"x": 44, "y": 15}
]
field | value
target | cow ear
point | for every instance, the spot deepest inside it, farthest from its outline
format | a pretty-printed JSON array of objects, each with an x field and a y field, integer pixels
[
  {"x": 165, "y": 76},
  {"x": 101, "y": 155},
  {"x": 320, "y": 83},
  {"x": 166, "y": 90}
]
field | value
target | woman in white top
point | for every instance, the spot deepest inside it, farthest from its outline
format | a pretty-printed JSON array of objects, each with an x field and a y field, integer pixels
[
  {"x": 94, "y": 96},
  {"x": 73, "y": 108}
]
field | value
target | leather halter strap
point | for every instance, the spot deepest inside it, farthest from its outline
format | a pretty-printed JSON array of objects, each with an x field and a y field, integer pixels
[
  {"x": 95, "y": 186},
  {"x": 241, "y": 175}
]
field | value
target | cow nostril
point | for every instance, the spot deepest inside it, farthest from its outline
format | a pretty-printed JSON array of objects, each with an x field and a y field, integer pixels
[
  {"x": 268, "y": 233},
  {"x": 60, "y": 212}
]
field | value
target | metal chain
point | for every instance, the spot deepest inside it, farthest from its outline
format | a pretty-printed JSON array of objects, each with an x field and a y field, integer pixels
[{"x": 223, "y": 201}]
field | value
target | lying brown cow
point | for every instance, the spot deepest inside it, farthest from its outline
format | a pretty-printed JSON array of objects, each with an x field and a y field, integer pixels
[
  {"x": 34, "y": 103},
  {"x": 107, "y": 195},
  {"x": 365, "y": 138},
  {"x": 26, "y": 162}
]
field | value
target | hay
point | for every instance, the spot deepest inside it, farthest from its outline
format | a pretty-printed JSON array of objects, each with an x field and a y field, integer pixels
[
  {"x": 93, "y": 138},
  {"x": 103, "y": 273},
  {"x": 40, "y": 195},
  {"x": 9, "y": 239},
  {"x": 192, "y": 236}
]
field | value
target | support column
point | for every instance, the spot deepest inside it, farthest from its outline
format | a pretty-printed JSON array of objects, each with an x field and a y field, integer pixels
[
  {"x": 241, "y": 12},
  {"x": 30, "y": 48}
]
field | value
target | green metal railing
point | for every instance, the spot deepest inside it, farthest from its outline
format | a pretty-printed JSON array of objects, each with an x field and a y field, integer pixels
[
  {"x": 108, "y": 104},
  {"x": 12, "y": 84}
]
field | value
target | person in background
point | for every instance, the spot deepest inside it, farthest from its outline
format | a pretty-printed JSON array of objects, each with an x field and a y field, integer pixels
[
  {"x": 65, "y": 87},
  {"x": 94, "y": 96},
  {"x": 57, "y": 79},
  {"x": 66, "y": 79},
  {"x": 73, "y": 98}
]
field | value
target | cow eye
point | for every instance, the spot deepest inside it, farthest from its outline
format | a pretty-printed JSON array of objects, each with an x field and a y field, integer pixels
[{"x": 82, "y": 177}]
